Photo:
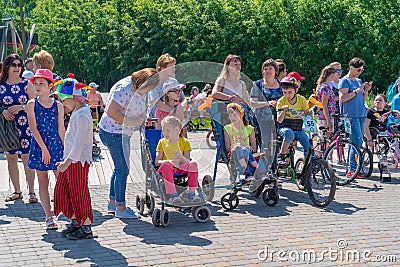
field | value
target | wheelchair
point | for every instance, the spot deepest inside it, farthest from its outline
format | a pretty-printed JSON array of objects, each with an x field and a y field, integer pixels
[{"x": 230, "y": 200}]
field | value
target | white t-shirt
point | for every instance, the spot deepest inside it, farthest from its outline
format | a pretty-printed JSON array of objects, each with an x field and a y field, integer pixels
[
  {"x": 78, "y": 139},
  {"x": 132, "y": 103}
]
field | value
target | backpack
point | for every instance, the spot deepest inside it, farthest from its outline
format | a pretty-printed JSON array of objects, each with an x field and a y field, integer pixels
[{"x": 392, "y": 90}]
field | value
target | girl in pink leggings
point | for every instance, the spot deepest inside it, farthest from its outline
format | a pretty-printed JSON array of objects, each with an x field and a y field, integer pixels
[{"x": 173, "y": 157}]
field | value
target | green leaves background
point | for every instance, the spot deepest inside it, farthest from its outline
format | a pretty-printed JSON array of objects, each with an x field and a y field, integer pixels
[{"x": 106, "y": 40}]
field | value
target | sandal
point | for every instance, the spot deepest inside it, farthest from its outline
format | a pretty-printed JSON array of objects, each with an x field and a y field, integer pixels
[
  {"x": 14, "y": 196},
  {"x": 51, "y": 224},
  {"x": 32, "y": 198}
]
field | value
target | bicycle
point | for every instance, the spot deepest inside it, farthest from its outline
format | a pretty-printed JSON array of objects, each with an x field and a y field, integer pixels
[
  {"x": 338, "y": 149},
  {"x": 312, "y": 174}
]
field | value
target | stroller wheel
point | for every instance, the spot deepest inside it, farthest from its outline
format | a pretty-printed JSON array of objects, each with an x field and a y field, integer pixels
[
  {"x": 96, "y": 151},
  {"x": 229, "y": 201},
  {"x": 208, "y": 187},
  {"x": 164, "y": 218},
  {"x": 140, "y": 204},
  {"x": 150, "y": 203},
  {"x": 155, "y": 218},
  {"x": 271, "y": 197},
  {"x": 201, "y": 214}
]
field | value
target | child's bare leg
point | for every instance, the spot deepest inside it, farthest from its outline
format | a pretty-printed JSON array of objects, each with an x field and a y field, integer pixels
[{"x": 43, "y": 179}]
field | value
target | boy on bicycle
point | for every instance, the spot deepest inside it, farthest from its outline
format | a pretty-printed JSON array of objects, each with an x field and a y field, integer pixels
[{"x": 290, "y": 124}]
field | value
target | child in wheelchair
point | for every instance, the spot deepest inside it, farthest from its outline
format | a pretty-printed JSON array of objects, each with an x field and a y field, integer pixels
[
  {"x": 240, "y": 139},
  {"x": 173, "y": 157},
  {"x": 376, "y": 119},
  {"x": 291, "y": 124}
]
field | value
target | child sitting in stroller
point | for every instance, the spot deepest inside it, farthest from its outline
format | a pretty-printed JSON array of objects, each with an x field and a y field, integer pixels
[
  {"x": 240, "y": 138},
  {"x": 173, "y": 157}
]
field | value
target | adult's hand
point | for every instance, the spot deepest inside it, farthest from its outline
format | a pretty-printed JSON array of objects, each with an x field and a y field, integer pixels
[
  {"x": 15, "y": 109},
  {"x": 8, "y": 115}
]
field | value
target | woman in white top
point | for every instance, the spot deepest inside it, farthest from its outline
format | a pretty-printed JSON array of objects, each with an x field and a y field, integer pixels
[
  {"x": 229, "y": 86},
  {"x": 125, "y": 109}
]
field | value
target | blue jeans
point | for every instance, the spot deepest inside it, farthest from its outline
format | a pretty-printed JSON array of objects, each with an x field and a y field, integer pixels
[
  {"x": 289, "y": 135},
  {"x": 243, "y": 153},
  {"x": 119, "y": 147},
  {"x": 357, "y": 129}
]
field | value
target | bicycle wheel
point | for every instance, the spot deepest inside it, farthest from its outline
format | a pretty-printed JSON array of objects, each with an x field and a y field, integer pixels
[
  {"x": 210, "y": 139},
  {"x": 320, "y": 183},
  {"x": 367, "y": 162},
  {"x": 338, "y": 157}
]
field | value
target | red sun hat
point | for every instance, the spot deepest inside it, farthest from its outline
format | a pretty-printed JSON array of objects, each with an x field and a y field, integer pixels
[
  {"x": 296, "y": 75},
  {"x": 43, "y": 73}
]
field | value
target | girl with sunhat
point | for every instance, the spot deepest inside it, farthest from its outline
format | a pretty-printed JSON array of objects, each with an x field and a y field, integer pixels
[{"x": 46, "y": 121}]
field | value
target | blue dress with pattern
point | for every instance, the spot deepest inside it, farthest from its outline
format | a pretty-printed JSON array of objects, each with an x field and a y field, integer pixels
[
  {"x": 47, "y": 125},
  {"x": 15, "y": 94}
]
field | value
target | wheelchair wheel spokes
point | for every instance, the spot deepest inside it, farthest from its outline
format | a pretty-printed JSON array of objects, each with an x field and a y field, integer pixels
[
  {"x": 321, "y": 184},
  {"x": 338, "y": 157},
  {"x": 367, "y": 162}
]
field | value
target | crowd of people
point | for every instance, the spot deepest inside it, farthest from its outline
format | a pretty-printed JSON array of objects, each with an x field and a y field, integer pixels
[{"x": 29, "y": 91}]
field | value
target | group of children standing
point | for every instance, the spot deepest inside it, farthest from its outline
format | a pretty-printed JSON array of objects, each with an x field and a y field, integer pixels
[{"x": 68, "y": 153}]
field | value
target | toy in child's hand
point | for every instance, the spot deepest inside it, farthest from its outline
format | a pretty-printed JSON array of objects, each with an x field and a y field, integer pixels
[{"x": 206, "y": 104}]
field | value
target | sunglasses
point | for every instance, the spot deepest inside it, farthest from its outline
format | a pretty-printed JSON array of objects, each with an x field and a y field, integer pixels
[
  {"x": 360, "y": 70},
  {"x": 15, "y": 65},
  {"x": 339, "y": 71},
  {"x": 175, "y": 91}
]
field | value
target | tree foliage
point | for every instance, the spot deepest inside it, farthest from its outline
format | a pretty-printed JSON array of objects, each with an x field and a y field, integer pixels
[{"x": 105, "y": 40}]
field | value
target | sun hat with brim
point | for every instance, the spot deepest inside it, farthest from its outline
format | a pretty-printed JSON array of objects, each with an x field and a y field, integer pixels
[
  {"x": 172, "y": 83},
  {"x": 43, "y": 73}
]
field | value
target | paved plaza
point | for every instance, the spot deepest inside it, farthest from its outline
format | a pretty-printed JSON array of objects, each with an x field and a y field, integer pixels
[
  {"x": 359, "y": 228},
  {"x": 363, "y": 221}
]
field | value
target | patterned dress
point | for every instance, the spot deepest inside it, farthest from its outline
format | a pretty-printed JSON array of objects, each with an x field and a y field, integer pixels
[
  {"x": 15, "y": 94},
  {"x": 47, "y": 124}
]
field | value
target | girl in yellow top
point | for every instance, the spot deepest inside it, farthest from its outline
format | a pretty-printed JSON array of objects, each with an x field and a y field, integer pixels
[
  {"x": 291, "y": 124},
  {"x": 173, "y": 157},
  {"x": 240, "y": 137}
]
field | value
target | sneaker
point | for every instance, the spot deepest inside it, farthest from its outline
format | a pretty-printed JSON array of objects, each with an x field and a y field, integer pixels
[
  {"x": 192, "y": 198},
  {"x": 126, "y": 214},
  {"x": 360, "y": 175},
  {"x": 80, "y": 234},
  {"x": 111, "y": 208},
  {"x": 72, "y": 227}
]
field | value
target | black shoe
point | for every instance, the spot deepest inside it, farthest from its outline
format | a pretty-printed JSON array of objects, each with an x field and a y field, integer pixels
[
  {"x": 72, "y": 227},
  {"x": 80, "y": 234}
]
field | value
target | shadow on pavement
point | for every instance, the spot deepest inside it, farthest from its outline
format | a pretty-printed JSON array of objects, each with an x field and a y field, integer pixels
[
  {"x": 179, "y": 231},
  {"x": 86, "y": 252},
  {"x": 257, "y": 208}
]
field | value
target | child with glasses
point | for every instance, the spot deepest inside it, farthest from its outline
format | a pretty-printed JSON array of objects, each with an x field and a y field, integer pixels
[{"x": 172, "y": 89}]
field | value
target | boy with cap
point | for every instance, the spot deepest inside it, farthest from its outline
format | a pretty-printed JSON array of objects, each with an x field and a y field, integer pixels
[
  {"x": 71, "y": 193},
  {"x": 290, "y": 123}
]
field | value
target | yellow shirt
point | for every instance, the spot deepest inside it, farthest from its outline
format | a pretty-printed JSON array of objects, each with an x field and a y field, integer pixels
[
  {"x": 292, "y": 120},
  {"x": 301, "y": 105},
  {"x": 169, "y": 149}
]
